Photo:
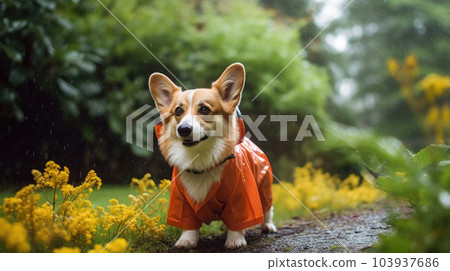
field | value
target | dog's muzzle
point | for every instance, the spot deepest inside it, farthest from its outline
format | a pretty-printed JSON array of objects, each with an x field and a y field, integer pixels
[{"x": 190, "y": 143}]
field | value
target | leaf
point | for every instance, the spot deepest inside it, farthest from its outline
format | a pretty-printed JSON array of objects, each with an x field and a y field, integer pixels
[
  {"x": 116, "y": 124},
  {"x": 432, "y": 154},
  {"x": 46, "y": 4},
  {"x": 371, "y": 161},
  {"x": 68, "y": 88},
  {"x": 393, "y": 185},
  {"x": 16, "y": 25},
  {"x": 384, "y": 155},
  {"x": 79, "y": 60},
  {"x": 71, "y": 108},
  {"x": 96, "y": 107},
  {"x": 90, "y": 89},
  {"x": 12, "y": 53}
]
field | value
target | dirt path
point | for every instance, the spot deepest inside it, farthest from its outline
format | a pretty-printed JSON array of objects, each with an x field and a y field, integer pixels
[{"x": 355, "y": 231}]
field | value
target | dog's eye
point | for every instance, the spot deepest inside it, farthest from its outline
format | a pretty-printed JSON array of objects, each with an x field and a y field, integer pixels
[
  {"x": 204, "y": 110},
  {"x": 179, "y": 111}
]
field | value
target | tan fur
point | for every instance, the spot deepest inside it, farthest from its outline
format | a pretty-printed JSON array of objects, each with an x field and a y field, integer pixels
[{"x": 220, "y": 99}]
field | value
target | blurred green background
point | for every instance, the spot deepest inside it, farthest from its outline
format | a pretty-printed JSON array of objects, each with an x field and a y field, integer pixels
[{"x": 71, "y": 74}]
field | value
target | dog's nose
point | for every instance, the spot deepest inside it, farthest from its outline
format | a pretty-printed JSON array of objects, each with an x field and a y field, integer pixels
[{"x": 184, "y": 130}]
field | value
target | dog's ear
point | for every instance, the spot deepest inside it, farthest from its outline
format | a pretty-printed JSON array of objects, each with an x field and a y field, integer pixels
[
  {"x": 230, "y": 85},
  {"x": 162, "y": 90}
]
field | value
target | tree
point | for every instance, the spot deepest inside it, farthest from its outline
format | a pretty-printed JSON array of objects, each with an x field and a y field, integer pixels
[{"x": 376, "y": 31}]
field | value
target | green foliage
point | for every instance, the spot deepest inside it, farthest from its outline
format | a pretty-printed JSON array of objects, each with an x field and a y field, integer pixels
[
  {"x": 199, "y": 47},
  {"x": 376, "y": 31},
  {"x": 423, "y": 179},
  {"x": 41, "y": 58},
  {"x": 43, "y": 83},
  {"x": 70, "y": 80}
]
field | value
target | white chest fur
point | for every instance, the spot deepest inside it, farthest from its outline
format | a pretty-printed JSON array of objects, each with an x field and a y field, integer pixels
[{"x": 198, "y": 185}]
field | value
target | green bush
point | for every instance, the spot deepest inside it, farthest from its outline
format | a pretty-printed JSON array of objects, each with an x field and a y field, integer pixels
[
  {"x": 422, "y": 179},
  {"x": 71, "y": 79}
]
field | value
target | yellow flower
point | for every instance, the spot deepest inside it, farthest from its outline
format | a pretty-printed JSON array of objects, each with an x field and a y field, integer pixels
[
  {"x": 14, "y": 236},
  {"x": 53, "y": 177},
  {"x": 143, "y": 184},
  {"x": 321, "y": 191},
  {"x": 434, "y": 85},
  {"x": 433, "y": 115},
  {"x": 17, "y": 239},
  {"x": 164, "y": 184},
  {"x": 114, "y": 201},
  {"x": 82, "y": 223},
  {"x": 72, "y": 220},
  {"x": 118, "y": 246},
  {"x": 22, "y": 205},
  {"x": 97, "y": 249},
  {"x": 67, "y": 250},
  {"x": 411, "y": 61},
  {"x": 392, "y": 65}
]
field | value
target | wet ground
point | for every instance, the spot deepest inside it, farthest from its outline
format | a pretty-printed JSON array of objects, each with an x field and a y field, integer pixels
[{"x": 352, "y": 231}]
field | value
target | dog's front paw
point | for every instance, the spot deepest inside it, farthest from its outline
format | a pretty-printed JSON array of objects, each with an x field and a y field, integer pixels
[
  {"x": 268, "y": 228},
  {"x": 235, "y": 239},
  {"x": 188, "y": 239},
  {"x": 186, "y": 244}
]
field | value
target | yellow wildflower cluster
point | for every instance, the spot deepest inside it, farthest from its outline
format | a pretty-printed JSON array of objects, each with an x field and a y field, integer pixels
[
  {"x": 437, "y": 119},
  {"x": 427, "y": 97},
  {"x": 143, "y": 184},
  {"x": 67, "y": 250},
  {"x": 72, "y": 224},
  {"x": 148, "y": 185},
  {"x": 14, "y": 236},
  {"x": 119, "y": 245},
  {"x": 434, "y": 86},
  {"x": 80, "y": 221},
  {"x": 131, "y": 219},
  {"x": 321, "y": 191}
]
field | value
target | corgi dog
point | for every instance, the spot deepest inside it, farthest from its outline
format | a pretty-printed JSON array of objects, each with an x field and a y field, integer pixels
[{"x": 218, "y": 174}]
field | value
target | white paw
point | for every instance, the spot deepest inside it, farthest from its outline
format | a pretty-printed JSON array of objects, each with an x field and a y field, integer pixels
[
  {"x": 188, "y": 239},
  {"x": 268, "y": 227},
  {"x": 186, "y": 244},
  {"x": 235, "y": 239}
]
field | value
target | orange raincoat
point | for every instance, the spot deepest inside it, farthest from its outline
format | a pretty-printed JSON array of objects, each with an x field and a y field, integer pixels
[{"x": 239, "y": 199}]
